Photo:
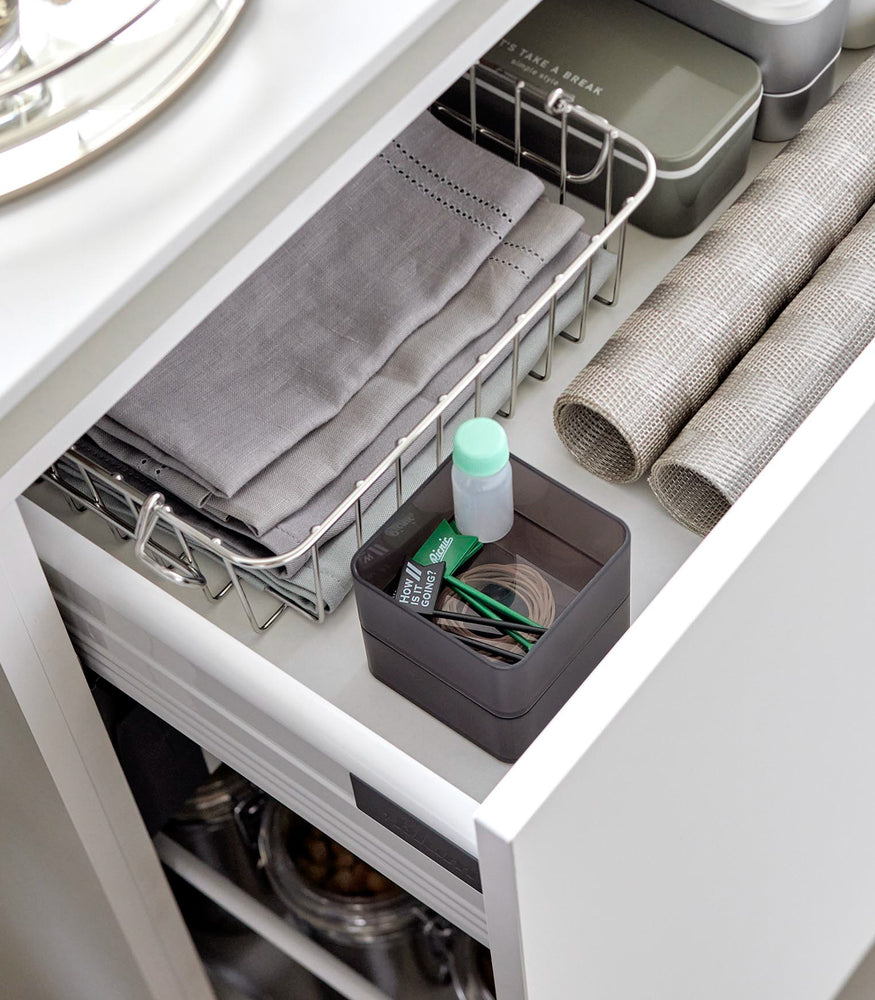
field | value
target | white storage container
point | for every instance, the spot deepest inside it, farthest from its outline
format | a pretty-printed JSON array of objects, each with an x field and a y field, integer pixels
[{"x": 795, "y": 42}]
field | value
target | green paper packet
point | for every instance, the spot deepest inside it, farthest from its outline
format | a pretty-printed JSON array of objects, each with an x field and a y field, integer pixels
[{"x": 446, "y": 545}]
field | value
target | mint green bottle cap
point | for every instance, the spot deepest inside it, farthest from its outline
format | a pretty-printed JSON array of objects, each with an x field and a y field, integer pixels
[{"x": 480, "y": 447}]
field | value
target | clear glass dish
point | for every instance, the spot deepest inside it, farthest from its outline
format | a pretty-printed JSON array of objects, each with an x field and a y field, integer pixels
[{"x": 77, "y": 75}]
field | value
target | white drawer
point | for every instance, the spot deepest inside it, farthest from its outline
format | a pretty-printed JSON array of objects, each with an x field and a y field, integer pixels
[
  {"x": 705, "y": 773},
  {"x": 325, "y": 665},
  {"x": 697, "y": 818}
]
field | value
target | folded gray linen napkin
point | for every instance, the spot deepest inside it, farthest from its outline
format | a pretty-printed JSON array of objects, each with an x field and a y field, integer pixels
[
  {"x": 624, "y": 408},
  {"x": 336, "y": 552},
  {"x": 288, "y": 349},
  {"x": 325, "y": 454},
  {"x": 773, "y": 388},
  {"x": 294, "y": 529}
]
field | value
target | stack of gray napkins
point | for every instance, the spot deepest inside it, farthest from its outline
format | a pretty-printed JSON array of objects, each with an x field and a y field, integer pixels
[{"x": 267, "y": 414}]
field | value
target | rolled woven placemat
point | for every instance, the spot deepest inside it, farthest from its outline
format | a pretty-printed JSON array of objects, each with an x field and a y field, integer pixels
[
  {"x": 621, "y": 412},
  {"x": 773, "y": 388}
]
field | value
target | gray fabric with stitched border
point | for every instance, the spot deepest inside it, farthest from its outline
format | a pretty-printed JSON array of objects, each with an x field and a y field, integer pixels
[
  {"x": 294, "y": 529},
  {"x": 304, "y": 332},
  {"x": 505, "y": 281},
  {"x": 336, "y": 553}
]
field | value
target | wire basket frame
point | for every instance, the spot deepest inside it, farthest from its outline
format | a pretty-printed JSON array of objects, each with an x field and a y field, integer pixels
[
  {"x": 140, "y": 516},
  {"x": 562, "y": 108}
]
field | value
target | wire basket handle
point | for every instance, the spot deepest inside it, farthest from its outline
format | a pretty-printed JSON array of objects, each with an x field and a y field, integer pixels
[{"x": 146, "y": 522}]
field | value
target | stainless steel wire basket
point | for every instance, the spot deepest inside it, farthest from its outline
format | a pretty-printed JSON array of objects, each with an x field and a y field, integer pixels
[{"x": 171, "y": 545}]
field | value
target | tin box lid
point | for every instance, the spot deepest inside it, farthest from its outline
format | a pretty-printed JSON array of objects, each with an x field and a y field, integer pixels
[{"x": 677, "y": 90}]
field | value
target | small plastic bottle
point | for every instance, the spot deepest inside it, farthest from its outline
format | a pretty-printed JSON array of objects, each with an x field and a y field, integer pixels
[{"x": 482, "y": 480}]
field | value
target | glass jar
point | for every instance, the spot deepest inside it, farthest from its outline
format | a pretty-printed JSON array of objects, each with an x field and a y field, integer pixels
[
  {"x": 350, "y": 909},
  {"x": 216, "y": 824}
]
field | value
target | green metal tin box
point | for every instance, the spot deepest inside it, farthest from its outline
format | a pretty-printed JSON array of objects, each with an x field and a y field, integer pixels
[{"x": 692, "y": 100}]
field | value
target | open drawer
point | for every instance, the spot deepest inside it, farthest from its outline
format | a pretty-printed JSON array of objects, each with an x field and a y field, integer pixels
[
  {"x": 701, "y": 803},
  {"x": 695, "y": 819}
]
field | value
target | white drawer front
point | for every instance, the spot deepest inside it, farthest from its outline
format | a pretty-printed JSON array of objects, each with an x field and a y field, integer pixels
[
  {"x": 698, "y": 820},
  {"x": 120, "y": 625}
]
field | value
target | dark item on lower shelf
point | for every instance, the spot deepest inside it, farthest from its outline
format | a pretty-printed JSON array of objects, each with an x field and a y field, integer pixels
[
  {"x": 498, "y": 705},
  {"x": 162, "y": 767},
  {"x": 245, "y": 966},
  {"x": 218, "y": 824},
  {"x": 473, "y": 978}
]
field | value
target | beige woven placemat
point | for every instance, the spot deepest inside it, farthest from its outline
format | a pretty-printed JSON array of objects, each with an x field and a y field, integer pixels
[
  {"x": 773, "y": 388},
  {"x": 661, "y": 365}
]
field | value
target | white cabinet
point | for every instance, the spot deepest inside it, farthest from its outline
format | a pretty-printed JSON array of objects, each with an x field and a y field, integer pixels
[{"x": 697, "y": 817}]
